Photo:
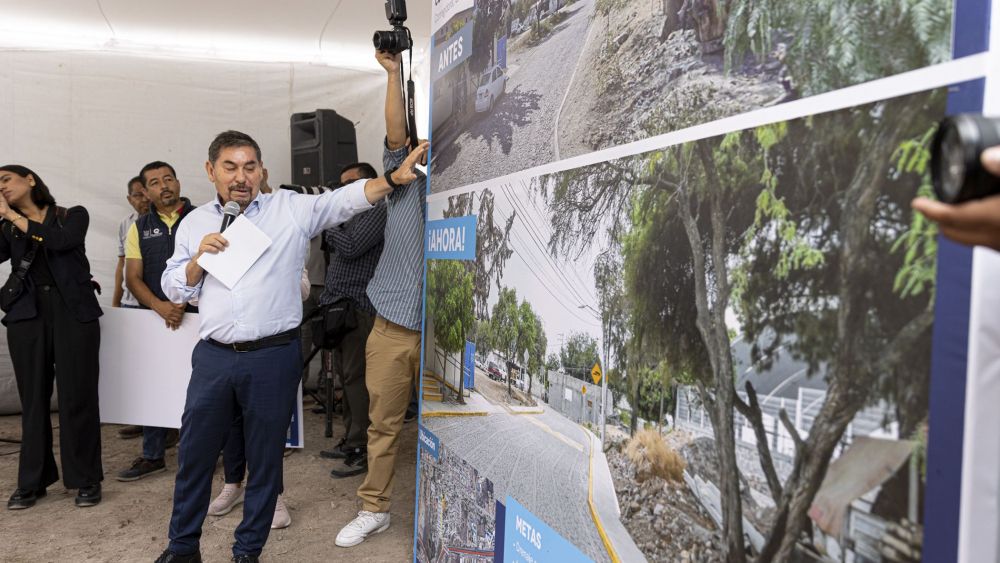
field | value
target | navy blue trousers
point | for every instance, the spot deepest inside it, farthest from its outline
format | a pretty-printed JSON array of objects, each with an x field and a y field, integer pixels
[
  {"x": 263, "y": 386},
  {"x": 234, "y": 458},
  {"x": 154, "y": 442}
]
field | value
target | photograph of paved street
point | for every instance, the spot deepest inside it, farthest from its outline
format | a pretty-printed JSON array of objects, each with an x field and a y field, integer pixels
[
  {"x": 542, "y": 460},
  {"x": 551, "y": 79},
  {"x": 536, "y": 330}
]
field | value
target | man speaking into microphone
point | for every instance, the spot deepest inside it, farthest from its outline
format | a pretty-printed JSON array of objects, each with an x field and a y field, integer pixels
[
  {"x": 230, "y": 212},
  {"x": 249, "y": 357}
]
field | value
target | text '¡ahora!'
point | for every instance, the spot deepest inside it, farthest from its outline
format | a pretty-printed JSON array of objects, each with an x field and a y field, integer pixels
[{"x": 446, "y": 239}]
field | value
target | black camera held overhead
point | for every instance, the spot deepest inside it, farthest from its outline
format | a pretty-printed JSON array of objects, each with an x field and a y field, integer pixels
[
  {"x": 399, "y": 39},
  {"x": 956, "y": 169},
  {"x": 395, "y": 42}
]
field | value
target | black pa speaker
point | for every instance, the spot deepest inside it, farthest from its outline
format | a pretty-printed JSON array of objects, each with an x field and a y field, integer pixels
[{"x": 322, "y": 143}]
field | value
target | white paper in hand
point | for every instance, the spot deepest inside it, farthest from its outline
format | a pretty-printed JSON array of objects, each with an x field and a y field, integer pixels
[{"x": 246, "y": 244}]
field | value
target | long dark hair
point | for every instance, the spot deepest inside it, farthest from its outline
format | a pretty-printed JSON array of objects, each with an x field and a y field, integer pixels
[{"x": 40, "y": 194}]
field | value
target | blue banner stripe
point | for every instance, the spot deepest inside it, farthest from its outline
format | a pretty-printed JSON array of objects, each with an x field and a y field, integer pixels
[
  {"x": 501, "y": 518},
  {"x": 949, "y": 351},
  {"x": 971, "y": 27},
  {"x": 947, "y": 402}
]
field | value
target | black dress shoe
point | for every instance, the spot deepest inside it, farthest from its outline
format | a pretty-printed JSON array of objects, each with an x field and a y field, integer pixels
[
  {"x": 129, "y": 432},
  {"x": 24, "y": 498},
  {"x": 140, "y": 468},
  {"x": 336, "y": 452},
  {"x": 171, "y": 557},
  {"x": 355, "y": 463},
  {"x": 88, "y": 496},
  {"x": 244, "y": 558}
]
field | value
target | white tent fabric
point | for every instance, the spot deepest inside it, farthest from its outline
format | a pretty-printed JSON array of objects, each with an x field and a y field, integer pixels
[
  {"x": 337, "y": 33},
  {"x": 86, "y": 122}
]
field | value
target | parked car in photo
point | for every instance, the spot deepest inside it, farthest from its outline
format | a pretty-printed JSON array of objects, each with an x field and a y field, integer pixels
[
  {"x": 493, "y": 372},
  {"x": 492, "y": 85}
]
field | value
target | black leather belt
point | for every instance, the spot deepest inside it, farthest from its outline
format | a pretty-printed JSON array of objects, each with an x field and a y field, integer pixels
[{"x": 266, "y": 342}]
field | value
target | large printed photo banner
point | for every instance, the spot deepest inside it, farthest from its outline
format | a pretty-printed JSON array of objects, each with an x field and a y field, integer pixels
[
  {"x": 786, "y": 254},
  {"x": 522, "y": 83}
]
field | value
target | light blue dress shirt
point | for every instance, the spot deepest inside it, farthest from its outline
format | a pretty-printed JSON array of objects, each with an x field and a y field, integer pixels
[{"x": 266, "y": 301}]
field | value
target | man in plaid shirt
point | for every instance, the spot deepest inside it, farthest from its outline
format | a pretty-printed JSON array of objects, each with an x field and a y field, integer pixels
[{"x": 355, "y": 248}]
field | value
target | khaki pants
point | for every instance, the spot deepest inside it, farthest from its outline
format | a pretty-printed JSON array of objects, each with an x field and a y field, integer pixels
[{"x": 393, "y": 366}]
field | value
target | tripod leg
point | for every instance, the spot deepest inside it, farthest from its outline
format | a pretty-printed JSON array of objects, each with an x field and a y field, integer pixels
[
  {"x": 316, "y": 394},
  {"x": 328, "y": 378}
]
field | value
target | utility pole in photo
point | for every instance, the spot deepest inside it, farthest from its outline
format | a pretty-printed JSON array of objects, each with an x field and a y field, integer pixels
[
  {"x": 599, "y": 373},
  {"x": 604, "y": 386}
]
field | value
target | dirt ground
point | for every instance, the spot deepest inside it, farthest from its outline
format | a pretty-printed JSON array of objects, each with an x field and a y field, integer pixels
[
  {"x": 664, "y": 518},
  {"x": 630, "y": 84},
  {"x": 131, "y": 522}
]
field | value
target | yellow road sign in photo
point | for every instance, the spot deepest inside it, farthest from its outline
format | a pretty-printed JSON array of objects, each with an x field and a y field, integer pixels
[{"x": 595, "y": 373}]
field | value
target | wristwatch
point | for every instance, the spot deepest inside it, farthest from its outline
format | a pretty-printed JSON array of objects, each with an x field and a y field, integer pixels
[{"x": 388, "y": 178}]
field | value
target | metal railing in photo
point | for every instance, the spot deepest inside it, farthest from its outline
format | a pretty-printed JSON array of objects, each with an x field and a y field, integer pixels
[
  {"x": 872, "y": 421},
  {"x": 864, "y": 529},
  {"x": 447, "y": 368}
]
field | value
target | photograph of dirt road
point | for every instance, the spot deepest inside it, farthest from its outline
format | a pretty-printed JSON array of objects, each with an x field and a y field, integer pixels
[
  {"x": 551, "y": 79},
  {"x": 812, "y": 283}
]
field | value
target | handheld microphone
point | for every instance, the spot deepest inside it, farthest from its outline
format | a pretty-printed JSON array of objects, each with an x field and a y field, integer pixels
[{"x": 229, "y": 214}]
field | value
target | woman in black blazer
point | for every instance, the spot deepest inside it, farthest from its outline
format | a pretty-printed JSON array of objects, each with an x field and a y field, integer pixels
[{"x": 52, "y": 333}]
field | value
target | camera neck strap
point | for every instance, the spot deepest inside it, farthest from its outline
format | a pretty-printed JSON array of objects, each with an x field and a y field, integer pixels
[
  {"x": 411, "y": 112},
  {"x": 22, "y": 269}
]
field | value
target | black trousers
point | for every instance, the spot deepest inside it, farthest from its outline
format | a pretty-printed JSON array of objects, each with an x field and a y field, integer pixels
[
  {"x": 351, "y": 354},
  {"x": 55, "y": 346}
]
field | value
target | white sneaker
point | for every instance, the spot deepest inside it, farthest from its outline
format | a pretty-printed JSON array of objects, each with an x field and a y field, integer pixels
[
  {"x": 282, "y": 519},
  {"x": 231, "y": 495},
  {"x": 361, "y": 527}
]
